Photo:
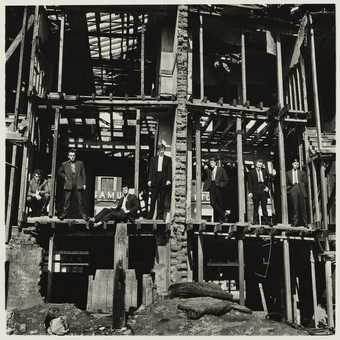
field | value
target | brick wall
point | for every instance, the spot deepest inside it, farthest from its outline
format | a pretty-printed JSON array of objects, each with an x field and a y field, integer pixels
[
  {"x": 178, "y": 240},
  {"x": 24, "y": 257}
]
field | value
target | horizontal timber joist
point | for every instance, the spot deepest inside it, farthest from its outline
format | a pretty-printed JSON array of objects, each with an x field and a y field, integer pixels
[{"x": 249, "y": 112}]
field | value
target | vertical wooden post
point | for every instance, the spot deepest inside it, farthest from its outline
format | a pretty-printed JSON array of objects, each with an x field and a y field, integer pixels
[
  {"x": 299, "y": 92},
  {"x": 284, "y": 204},
  {"x": 26, "y": 154},
  {"x": 294, "y": 91},
  {"x": 328, "y": 264},
  {"x": 201, "y": 58},
  {"x": 50, "y": 268},
  {"x": 137, "y": 151},
  {"x": 315, "y": 301},
  {"x": 200, "y": 258},
  {"x": 56, "y": 121},
  {"x": 198, "y": 169},
  {"x": 316, "y": 193},
  {"x": 142, "y": 59},
  {"x": 304, "y": 106},
  {"x": 189, "y": 171},
  {"x": 15, "y": 124},
  {"x": 309, "y": 185},
  {"x": 240, "y": 173},
  {"x": 315, "y": 82},
  {"x": 120, "y": 264},
  {"x": 162, "y": 260}
]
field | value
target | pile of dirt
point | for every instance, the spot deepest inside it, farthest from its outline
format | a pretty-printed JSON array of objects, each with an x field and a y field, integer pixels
[
  {"x": 165, "y": 318},
  {"x": 32, "y": 321}
]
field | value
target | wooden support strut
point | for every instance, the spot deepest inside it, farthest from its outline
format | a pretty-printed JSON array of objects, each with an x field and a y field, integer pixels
[
  {"x": 56, "y": 122},
  {"x": 15, "y": 124},
  {"x": 26, "y": 152},
  {"x": 328, "y": 264},
  {"x": 201, "y": 57},
  {"x": 120, "y": 264},
  {"x": 240, "y": 174},
  {"x": 137, "y": 151},
  {"x": 284, "y": 204},
  {"x": 315, "y": 82},
  {"x": 142, "y": 59},
  {"x": 50, "y": 268},
  {"x": 315, "y": 301}
]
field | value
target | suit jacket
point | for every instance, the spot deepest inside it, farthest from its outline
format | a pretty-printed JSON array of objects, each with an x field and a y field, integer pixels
[
  {"x": 221, "y": 178},
  {"x": 253, "y": 184},
  {"x": 65, "y": 172},
  {"x": 132, "y": 204},
  {"x": 166, "y": 170},
  {"x": 302, "y": 178}
]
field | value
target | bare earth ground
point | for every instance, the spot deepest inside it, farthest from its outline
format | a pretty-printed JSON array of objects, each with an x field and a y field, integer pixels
[{"x": 161, "y": 318}]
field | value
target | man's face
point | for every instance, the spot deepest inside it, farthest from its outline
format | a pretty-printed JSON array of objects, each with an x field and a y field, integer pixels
[
  {"x": 161, "y": 150},
  {"x": 37, "y": 177},
  {"x": 72, "y": 156},
  {"x": 125, "y": 191},
  {"x": 259, "y": 164},
  {"x": 296, "y": 165},
  {"x": 212, "y": 163}
]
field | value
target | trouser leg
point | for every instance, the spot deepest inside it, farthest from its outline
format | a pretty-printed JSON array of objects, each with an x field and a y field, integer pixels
[
  {"x": 102, "y": 215},
  {"x": 303, "y": 209},
  {"x": 256, "y": 203},
  {"x": 264, "y": 207},
  {"x": 161, "y": 203},
  {"x": 67, "y": 202},
  {"x": 295, "y": 206},
  {"x": 154, "y": 196},
  {"x": 79, "y": 196}
]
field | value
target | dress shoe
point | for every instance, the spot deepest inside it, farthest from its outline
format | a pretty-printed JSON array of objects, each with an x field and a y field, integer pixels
[
  {"x": 62, "y": 217},
  {"x": 85, "y": 217}
]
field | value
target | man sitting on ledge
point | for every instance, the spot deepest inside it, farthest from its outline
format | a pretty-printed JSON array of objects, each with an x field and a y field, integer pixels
[{"x": 126, "y": 210}]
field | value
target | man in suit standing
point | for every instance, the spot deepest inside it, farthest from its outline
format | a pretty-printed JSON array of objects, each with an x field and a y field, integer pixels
[
  {"x": 215, "y": 180},
  {"x": 73, "y": 173},
  {"x": 258, "y": 183},
  {"x": 159, "y": 181},
  {"x": 126, "y": 209},
  {"x": 297, "y": 193}
]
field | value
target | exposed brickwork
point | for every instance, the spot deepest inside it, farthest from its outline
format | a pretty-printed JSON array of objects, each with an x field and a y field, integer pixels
[
  {"x": 24, "y": 257},
  {"x": 178, "y": 241}
]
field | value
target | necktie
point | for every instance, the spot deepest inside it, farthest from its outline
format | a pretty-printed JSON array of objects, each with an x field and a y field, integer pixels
[
  {"x": 296, "y": 181},
  {"x": 259, "y": 176}
]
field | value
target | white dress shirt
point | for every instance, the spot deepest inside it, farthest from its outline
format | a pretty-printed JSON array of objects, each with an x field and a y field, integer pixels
[
  {"x": 259, "y": 175},
  {"x": 160, "y": 163},
  {"x": 213, "y": 174},
  {"x": 124, "y": 203}
]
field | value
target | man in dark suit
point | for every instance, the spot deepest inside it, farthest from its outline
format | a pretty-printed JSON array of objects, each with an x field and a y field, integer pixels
[
  {"x": 73, "y": 173},
  {"x": 159, "y": 181},
  {"x": 297, "y": 193},
  {"x": 258, "y": 184},
  {"x": 126, "y": 210},
  {"x": 215, "y": 180}
]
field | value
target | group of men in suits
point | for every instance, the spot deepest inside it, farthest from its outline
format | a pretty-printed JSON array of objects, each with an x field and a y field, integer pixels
[
  {"x": 216, "y": 179},
  {"x": 159, "y": 183}
]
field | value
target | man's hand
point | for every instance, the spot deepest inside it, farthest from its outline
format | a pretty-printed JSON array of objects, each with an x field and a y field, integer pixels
[
  {"x": 149, "y": 183},
  {"x": 250, "y": 195},
  {"x": 266, "y": 189},
  {"x": 168, "y": 183},
  {"x": 84, "y": 186}
]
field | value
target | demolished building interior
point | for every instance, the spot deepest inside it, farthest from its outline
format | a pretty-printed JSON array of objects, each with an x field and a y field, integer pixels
[{"x": 235, "y": 81}]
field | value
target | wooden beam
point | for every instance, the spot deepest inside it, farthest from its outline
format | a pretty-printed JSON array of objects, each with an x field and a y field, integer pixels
[
  {"x": 26, "y": 154},
  {"x": 308, "y": 174},
  {"x": 189, "y": 170},
  {"x": 15, "y": 124},
  {"x": 200, "y": 258},
  {"x": 299, "y": 90},
  {"x": 198, "y": 170},
  {"x": 284, "y": 204},
  {"x": 137, "y": 151},
  {"x": 16, "y": 42},
  {"x": 240, "y": 173},
  {"x": 120, "y": 264},
  {"x": 315, "y": 82},
  {"x": 50, "y": 268},
  {"x": 295, "y": 100},
  {"x": 57, "y": 121},
  {"x": 316, "y": 193},
  {"x": 142, "y": 59},
  {"x": 314, "y": 291},
  {"x": 328, "y": 264},
  {"x": 201, "y": 57}
]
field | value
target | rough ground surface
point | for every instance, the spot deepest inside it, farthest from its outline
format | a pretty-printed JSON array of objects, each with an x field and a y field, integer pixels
[{"x": 162, "y": 318}]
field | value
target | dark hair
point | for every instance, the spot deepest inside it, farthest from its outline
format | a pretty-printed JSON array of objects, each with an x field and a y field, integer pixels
[
  {"x": 72, "y": 150},
  {"x": 295, "y": 160},
  {"x": 260, "y": 160},
  {"x": 213, "y": 159},
  {"x": 37, "y": 172}
]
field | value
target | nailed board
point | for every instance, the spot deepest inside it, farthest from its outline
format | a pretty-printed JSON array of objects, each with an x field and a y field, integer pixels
[{"x": 100, "y": 291}]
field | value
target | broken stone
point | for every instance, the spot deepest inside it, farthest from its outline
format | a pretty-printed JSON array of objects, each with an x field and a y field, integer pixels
[{"x": 22, "y": 328}]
